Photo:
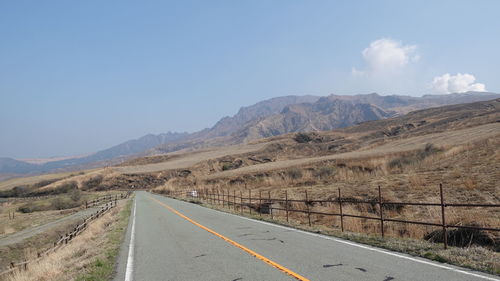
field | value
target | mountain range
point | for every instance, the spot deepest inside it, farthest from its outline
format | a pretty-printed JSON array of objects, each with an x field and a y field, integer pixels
[{"x": 267, "y": 118}]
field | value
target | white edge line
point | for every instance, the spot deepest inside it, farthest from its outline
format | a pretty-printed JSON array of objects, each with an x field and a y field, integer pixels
[
  {"x": 358, "y": 245},
  {"x": 375, "y": 249},
  {"x": 130, "y": 259}
]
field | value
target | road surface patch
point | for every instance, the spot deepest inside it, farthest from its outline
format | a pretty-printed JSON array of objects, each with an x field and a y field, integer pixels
[{"x": 266, "y": 260}]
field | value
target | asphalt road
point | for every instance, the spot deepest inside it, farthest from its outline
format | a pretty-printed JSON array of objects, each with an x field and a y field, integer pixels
[{"x": 169, "y": 239}]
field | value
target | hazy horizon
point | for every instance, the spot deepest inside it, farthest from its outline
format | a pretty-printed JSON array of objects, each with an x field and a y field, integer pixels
[{"x": 76, "y": 78}]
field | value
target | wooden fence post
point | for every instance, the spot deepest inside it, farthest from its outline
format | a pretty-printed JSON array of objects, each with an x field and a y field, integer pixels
[
  {"x": 341, "y": 213},
  {"x": 218, "y": 197},
  {"x": 380, "y": 204},
  {"x": 286, "y": 204},
  {"x": 443, "y": 220},
  {"x": 308, "y": 210}
]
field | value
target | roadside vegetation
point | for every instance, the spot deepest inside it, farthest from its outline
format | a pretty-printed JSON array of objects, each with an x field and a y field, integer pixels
[
  {"x": 90, "y": 256},
  {"x": 21, "y": 213}
]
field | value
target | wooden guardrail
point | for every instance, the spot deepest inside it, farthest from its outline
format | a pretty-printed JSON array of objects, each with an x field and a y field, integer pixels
[
  {"x": 106, "y": 198},
  {"x": 267, "y": 205}
]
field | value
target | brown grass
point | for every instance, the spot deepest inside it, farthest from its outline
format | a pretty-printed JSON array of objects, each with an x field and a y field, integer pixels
[{"x": 71, "y": 260}]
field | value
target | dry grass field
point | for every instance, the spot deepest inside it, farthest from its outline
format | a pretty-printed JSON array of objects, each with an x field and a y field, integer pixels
[{"x": 10, "y": 183}]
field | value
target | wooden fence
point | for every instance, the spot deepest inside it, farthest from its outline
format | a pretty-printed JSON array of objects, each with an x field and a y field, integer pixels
[{"x": 63, "y": 240}]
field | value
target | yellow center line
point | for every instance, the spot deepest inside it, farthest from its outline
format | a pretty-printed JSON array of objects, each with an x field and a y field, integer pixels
[{"x": 260, "y": 257}]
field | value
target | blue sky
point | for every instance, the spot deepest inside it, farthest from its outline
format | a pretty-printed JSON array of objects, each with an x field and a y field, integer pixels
[{"x": 80, "y": 76}]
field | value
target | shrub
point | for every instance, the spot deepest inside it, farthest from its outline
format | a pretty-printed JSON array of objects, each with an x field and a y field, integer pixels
[
  {"x": 302, "y": 138},
  {"x": 325, "y": 172},
  {"x": 17, "y": 191},
  {"x": 294, "y": 173},
  {"x": 44, "y": 183},
  {"x": 92, "y": 183},
  {"x": 75, "y": 195},
  {"x": 59, "y": 203},
  {"x": 26, "y": 209},
  {"x": 415, "y": 157}
]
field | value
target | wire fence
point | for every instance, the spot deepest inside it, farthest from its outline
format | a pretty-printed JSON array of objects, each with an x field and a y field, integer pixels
[{"x": 265, "y": 204}]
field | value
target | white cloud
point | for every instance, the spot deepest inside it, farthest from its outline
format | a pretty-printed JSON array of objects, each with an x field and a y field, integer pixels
[
  {"x": 459, "y": 83},
  {"x": 387, "y": 56}
]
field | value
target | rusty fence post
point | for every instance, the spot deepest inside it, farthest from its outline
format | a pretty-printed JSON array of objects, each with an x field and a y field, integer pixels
[
  {"x": 341, "y": 213},
  {"x": 223, "y": 200},
  {"x": 308, "y": 210},
  {"x": 443, "y": 220},
  {"x": 250, "y": 201},
  {"x": 241, "y": 202},
  {"x": 227, "y": 198},
  {"x": 218, "y": 197},
  {"x": 260, "y": 203},
  {"x": 380, "y": 204},
  {"x": 234, "y": 200},
  {"x": 286, "y": 204},
  {"x": 270, "y": 204}
]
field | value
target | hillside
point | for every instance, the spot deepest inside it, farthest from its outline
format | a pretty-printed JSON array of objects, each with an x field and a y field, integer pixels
[
  {"x": 289, "y": 114},
  {"x": 371, "y": 150},
  {"x": 324, "y": 115},
  {"x": 273, "y": 117},
  {"x": 105, "y": 157}
]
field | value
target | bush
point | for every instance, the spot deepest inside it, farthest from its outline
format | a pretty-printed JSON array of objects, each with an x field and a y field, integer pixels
[
  {"x": 17, "y": 191},
  {"x": 26, "y": 209},
  {"x": 44, "y": 183},
  {"x": 75, "y": 195},
  {"x": 325, "y": 172},
  {"x": 302, "y": 138},
  {"x": 294, "y": 173},
  {"x": 415, "y": 157},
  {"x": 92, "y": 183},
  {"x": 59, "y": 203}
]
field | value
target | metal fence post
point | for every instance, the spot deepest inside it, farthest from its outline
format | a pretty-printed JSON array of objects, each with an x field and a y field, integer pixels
[
  {"x": 308, "y": 210},
  {"x": 250, "y": 201},
  {"x": 234, "y": 200},
  {"x": 223, "y": 200},
  {"x": 380, "y": 204},
  {"x": 270, "y": 204},
  {"x": 260, "y": 203},
  {"x": 241, "y": 202},
  {"x": 341, "y": 214},
  {"x": 443, "y": 220},
  {"x": 286, "y": 204}
]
